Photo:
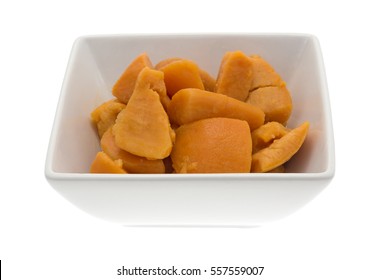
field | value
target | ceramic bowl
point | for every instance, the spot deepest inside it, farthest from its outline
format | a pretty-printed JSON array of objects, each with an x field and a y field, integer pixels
[{"x": 96, "y": 62}]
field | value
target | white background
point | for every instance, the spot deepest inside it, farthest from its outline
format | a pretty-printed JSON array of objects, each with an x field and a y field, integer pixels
[{"x": 42, "y": 236}]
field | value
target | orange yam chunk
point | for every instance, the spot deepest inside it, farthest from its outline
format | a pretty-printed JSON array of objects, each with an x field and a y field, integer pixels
[
  {"x": 105, "y": 115},
  {"x": 207, "y": 80},
  {"x": 190, "y": 105},
  {"x": 125, "y": 85},
  {"x": 155, "y": 80},
  {"x": 266, "y": 134},
  {"x": 165, "y": 62},
  {"x": 104, "y": 164},
  {"x": 263, "y": 74},
  {"x": 235, "y": 75},
  {"x": 278, "y": 169},
  {"x": 131, "y": 163},
  {"x": 276, "y": 102},
  {"x": 280, "y": 151},
  {"x": 181, "y": 74},
  {"x": 143, "y": 127},
  {"x": 216, "y": 145}
]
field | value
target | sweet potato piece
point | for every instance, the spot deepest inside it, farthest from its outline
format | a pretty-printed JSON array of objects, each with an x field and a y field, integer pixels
[
  {"x": 181, "y": 74},
  {"x": 165, "y": 62},
  {"x": 125, "y": 85},
  {"x": 266, "y": 134},
  {"x": 131, "y": 163},
  {"x": 235, "y": 75},
  {"x": 207, "y": 80},
  {"x": 280, "y": 151},
  {"x": 105, "y": 115},
  {"x": 104, "y": 164},
  {"x": 190, "y": 105},
  {"x": 143, "y": 127},
  {"x": 156, "y": 83},
  {"x": 278, "y": 169},
  {"x": 276, "y": 102},
  {"x": 263, "y": 74},
  {"x": 216, "y": 145}
]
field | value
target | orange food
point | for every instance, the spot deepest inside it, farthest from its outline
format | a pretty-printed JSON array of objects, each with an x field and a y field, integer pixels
[
  {"x": 276, "y": 102},
  {"x": 104, "y": 164},
  {"x": 266, "y": 134},
  {"x": 181, "y": 74},
  {"x": 207, "y": 80},
  {"x": 105, "y": 115},
  {"x": 165, "y": 62},
  {"x": 190, "y": 105},
  {"x": 234, "y": 124},
  {"x": 280, "y": 151},
  {"x": 278, "y": 169},
  {"x": 235, "y": 75},
  {"x": 143, "y": 127},
  {"x": 263, "y": 74},
  {"x": 125, "y": 85},
  {"x": 216, "y": 145},
  {"x": 131, "y": 163},
  {"x": 155, "y": 81}
]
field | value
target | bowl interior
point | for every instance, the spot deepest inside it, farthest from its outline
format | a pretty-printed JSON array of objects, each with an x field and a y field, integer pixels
[{"x": 96, "y": 63}]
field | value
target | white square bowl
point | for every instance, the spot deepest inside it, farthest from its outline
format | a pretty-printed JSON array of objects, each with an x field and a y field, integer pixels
[{"x": 96, "y": 62}]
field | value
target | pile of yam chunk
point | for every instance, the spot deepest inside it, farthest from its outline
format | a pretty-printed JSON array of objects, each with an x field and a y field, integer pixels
[{"x": 174, "y": 117}]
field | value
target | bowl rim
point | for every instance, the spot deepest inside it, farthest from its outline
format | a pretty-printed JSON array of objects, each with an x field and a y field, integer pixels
[
  {"x": 196, "y": 34},
  {"x": 52, "y": 175}
]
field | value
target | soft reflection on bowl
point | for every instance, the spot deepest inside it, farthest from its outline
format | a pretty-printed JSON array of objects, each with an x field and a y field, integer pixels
[{"x": 198, "y": 199}]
